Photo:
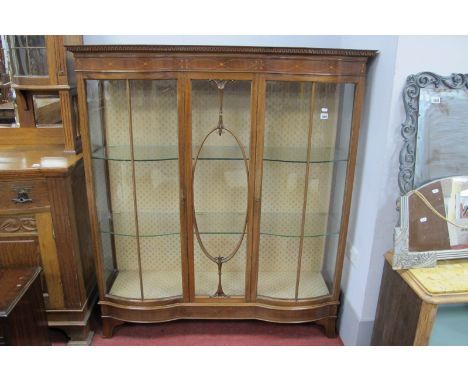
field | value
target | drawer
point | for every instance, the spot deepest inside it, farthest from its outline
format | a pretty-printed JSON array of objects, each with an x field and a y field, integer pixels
[{"x": 23, "y": 195}]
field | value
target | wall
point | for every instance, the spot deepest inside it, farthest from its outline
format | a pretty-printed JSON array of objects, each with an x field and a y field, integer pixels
[
  {"x": 293, "y": 41},
  {"x": 366, "y": 222},
  {"x": 377, "y": 178}
]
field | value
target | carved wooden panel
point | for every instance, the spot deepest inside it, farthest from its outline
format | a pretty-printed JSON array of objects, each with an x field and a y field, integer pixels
[{"x": 17, "y": 224}]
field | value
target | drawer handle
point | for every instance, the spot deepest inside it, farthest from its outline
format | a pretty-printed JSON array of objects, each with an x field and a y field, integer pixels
[{"x": 22, "y": 197}]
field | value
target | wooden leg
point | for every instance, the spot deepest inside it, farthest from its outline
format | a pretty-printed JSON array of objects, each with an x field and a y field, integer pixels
[
  {"x": 329, "y": 326},
  {"x": 108, "y": 325},
  {"x": 425, "y": 323}
]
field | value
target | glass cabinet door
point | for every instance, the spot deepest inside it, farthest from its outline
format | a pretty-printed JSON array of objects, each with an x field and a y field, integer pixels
[
  {"x": 221, "y": 128},
  {"x": 29, "y": 63},
  {"x": 134, "y": 141},
  {"x": 305, "y": 154}
]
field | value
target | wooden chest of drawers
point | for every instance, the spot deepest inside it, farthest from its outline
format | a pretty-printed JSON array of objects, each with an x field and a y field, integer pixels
[
  {"x": 23, "y": 319},
  {"x": 44, "y": 222}
]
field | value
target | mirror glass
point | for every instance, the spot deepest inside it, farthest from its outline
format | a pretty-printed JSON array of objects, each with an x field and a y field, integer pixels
[
  {"x": 441, "y": 146},
  {"x": 433, "y": 224},
  {"x": 434, "y": 130},
  {"x": 438, "y": 215},
  {"x": 47, "y": 111}
]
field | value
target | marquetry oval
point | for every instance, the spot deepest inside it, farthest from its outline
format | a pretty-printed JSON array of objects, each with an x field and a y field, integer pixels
[{"x": 219, "y": 257}]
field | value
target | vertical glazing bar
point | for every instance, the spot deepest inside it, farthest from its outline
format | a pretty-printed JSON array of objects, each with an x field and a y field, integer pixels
[
  {"x": 306, "y": 188},
  {"x": 135, "y": 202},
  {"x": 28, "y": 63}
]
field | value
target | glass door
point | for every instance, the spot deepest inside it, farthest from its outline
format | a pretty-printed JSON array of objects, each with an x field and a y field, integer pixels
[
  {"x": 221, "y": 130},
  {"x": 134, "y": 140},
  {"x": 305, "y": 156},
  {"x": 29, "y": 59}
]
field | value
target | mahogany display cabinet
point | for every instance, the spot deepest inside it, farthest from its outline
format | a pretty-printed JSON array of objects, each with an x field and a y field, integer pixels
[{"x": 219, "y": 179}]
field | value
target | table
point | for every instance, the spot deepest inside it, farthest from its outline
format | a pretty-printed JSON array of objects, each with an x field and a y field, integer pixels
[
  {"x": 23, "y": 319},
  {"x": 424, "y": 306}
]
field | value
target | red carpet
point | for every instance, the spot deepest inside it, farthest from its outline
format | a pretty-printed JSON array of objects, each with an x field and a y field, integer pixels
[{"x": 210, "y": 333}]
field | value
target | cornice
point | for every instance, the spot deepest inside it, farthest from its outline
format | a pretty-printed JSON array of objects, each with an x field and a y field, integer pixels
[{"x": 206, "y": 49}]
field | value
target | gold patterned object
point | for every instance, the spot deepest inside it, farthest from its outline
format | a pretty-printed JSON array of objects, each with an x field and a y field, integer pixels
[{"x": 449, "y": 276}]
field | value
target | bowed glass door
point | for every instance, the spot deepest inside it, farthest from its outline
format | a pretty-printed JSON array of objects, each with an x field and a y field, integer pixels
[
  {"x": 134, "y": 141},
  {"x": 305, "y": 158}
]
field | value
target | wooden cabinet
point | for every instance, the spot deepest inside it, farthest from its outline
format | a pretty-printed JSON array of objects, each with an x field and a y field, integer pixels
[
  {"x": 42, "y": 77},
  {"x": 423, "y": 306},
  {"x": 44, "y": 222},
  {"x": 219, "y": 179},
  {"x": 41, "y": 60},
  {"x": 22, "y": 315}
]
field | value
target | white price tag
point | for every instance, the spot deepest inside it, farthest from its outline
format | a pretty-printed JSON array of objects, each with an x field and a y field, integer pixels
[
  {"x": 435, "y": 191},
  {"x": 323, "y": 115},
  {"x": 423, "y": 220},
  {"x": 435, "y": 99}
]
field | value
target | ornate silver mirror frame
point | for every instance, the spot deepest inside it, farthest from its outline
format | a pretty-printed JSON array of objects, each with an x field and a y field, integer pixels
[{"x": 409, "y": 130}]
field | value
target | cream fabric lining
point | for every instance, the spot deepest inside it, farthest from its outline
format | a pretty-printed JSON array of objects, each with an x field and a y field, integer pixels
[{"x": 169, "y": 284}]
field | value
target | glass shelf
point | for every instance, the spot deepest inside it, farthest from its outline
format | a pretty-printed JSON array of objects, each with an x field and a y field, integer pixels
[
  {"x": 170, "y": 152},
  {"x": 141, "y": 153},
  {"x": 150, "y": 224},
  {"x": 153, "y": 224},
  {"x": 287, "y": 224},
  {"x": 299, "y": 155}
]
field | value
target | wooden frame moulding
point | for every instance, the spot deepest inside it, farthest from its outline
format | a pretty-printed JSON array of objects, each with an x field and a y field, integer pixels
[
  {"x": 250, "y": 264},
  {"x": 306, "y": 187},
  {"x": 135, "y": 202},
  {"x": 352, "y": 152},
  {"x": 102, "y": 116},
  {"x": 183, "y": 197},
  {"x": 87, "y": 150}
]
